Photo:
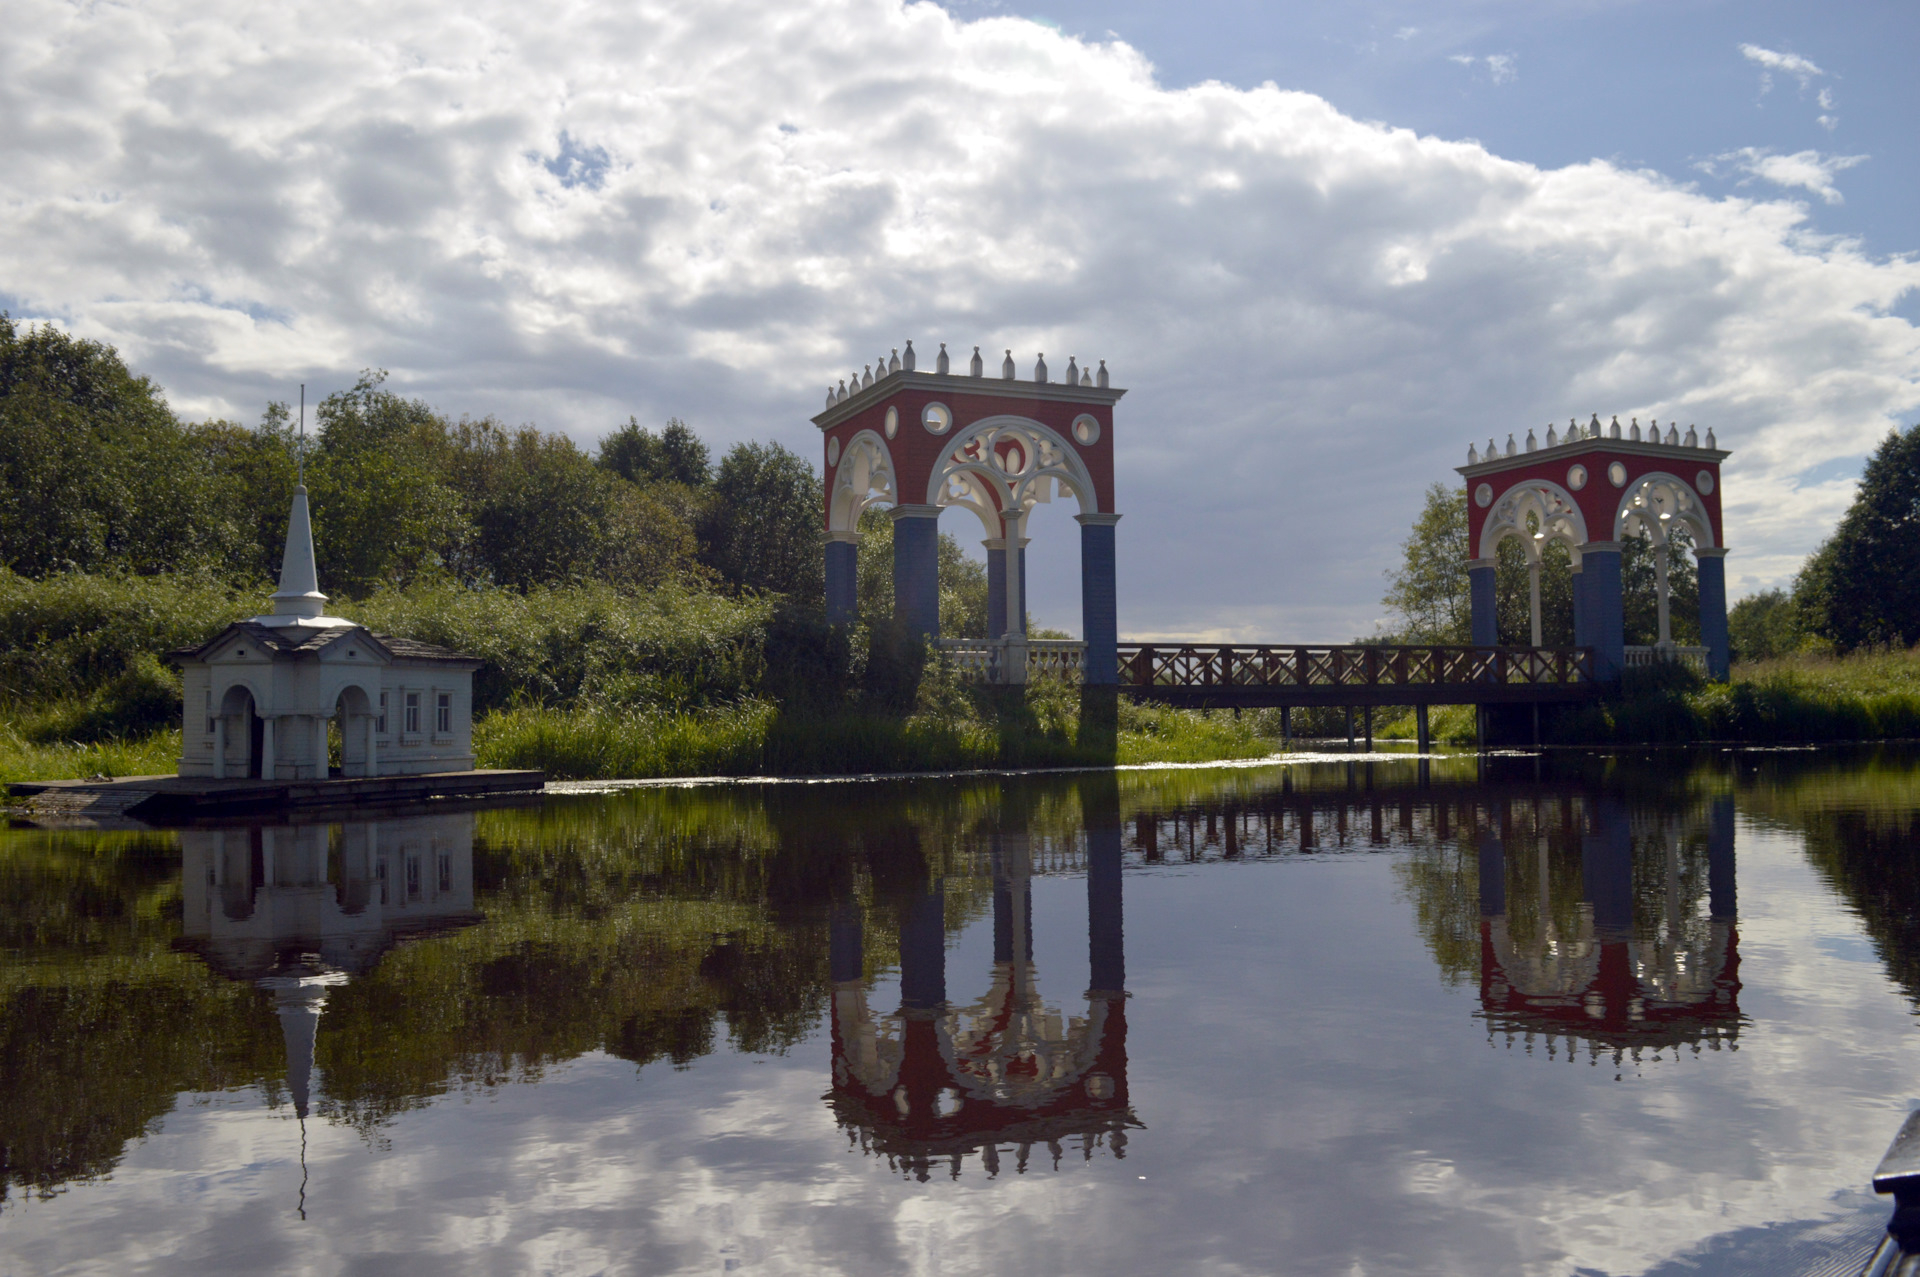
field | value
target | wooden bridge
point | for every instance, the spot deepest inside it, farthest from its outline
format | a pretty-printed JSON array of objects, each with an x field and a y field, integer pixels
[{"x": 1303, "y": 676}]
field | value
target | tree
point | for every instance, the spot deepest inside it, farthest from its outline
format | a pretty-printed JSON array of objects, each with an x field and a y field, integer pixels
[
  {"x": 761, "y": 529},
  {"x": 539, "y": 508},
  {"x": 1428, "y": 592},
  {"x": 94, "y": 470},
  {"x": 1639, "y": 590},
  {"x": 675, "y": 455},
  {"x": 383, "y": 511},
  {"x": 1765, "y": 625},
  {"x": 1860, "y": 588}
]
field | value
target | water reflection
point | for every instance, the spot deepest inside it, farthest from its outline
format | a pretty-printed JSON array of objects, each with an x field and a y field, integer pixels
[
  {"x": 1621, "y": 957},
  {"x": 299, "y": 910},
  {"x": 859, "y": 995},
  {"x": 937, "y": 1081}
]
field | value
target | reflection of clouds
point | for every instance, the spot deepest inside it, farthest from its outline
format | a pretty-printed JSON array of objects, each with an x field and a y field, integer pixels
[{"x": 1303, "y": 1074}]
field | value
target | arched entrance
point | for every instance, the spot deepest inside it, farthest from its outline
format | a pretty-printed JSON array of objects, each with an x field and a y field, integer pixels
[
  {"x": 1537, "y": 514},
  {"x": 239, "y": 736}
]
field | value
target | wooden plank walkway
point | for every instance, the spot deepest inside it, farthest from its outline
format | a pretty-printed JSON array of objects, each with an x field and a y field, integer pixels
[{"x": 1274, "y": 676}]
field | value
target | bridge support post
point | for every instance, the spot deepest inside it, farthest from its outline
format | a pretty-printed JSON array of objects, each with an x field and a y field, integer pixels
[
  {"x": 1712, "y": 566},
  {"x": 1286, "y": 727},
  {"x": 1099, "y": 599},
  {"x": 1486, "y": 619},
  {"x": 1349, "y": 729},
  {"x": 1423, "y": 739},
  {"x": 1606, "y": 621},
  {"x": 843, "y": 577},
  {"x": 916, "y": 569}
]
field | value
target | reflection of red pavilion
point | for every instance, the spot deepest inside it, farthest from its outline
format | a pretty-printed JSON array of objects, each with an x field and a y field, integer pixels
[
  {"x": 1621, "y": 979},
  {"x": 937, "y": 1082}
]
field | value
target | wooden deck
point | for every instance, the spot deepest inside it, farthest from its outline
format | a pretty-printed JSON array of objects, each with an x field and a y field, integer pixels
[
  {"x": 179, "y": 799},
  {"x": 1263, "y": 676}
]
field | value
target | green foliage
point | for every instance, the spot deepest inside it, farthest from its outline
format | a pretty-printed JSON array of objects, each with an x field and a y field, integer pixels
[
  {"x": 1640, "y": 601},
  {"x": 1860, "y": 589},
  {"x": 761, "y": 529},
  {"x": 675, "y": 455},
  {"x": 1512, "y": 594},
  {"x": 93, "y": 470},
  {"x": 1428, "y": 592},
  {"x": 1766, "y": 625}
]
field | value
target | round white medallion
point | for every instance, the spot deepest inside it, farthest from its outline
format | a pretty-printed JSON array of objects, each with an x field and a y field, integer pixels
[
  {"x": 1086, "y": 429},
  {"x": 1617, "y": 475},
  {"x": 1483, "y": 495},
  {"x": 1704, "y": 482},
  {"x": 937, "y": 418},
  {"x": 833, "y": 450},
  {"x": 893, "y": 421},
  {"x": 1577, "y": 477}
]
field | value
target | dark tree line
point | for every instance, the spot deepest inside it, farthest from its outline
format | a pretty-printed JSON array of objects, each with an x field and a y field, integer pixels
[{"x": 97, "y": 474}]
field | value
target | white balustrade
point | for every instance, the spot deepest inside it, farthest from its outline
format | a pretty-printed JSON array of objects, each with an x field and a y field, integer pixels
[{"x": 1645, "y": 657}]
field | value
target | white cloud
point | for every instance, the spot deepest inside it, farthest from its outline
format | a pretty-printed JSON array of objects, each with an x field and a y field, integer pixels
[
  {"x": 1801, "y": 69},
  {"x": 1502, "y": 67},
  {"x": 576, "y": 211},
  {"x": 1808, "y": 170}
]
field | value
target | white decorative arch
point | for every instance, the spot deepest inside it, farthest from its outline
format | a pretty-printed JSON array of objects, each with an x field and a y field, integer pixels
[
  {"x": 1008, "y": 463},
  {"x": 1553, "y": 507},
  {"x": 1653, "y": 501},
  {"x": 864, "y": 477}
]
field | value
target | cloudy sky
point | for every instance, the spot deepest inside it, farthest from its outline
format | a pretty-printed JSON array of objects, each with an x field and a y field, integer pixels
[{"x": 1324, "y": 245}]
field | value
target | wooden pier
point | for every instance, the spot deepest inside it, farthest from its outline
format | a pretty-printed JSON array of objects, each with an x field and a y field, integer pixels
[{"x": 191, "y": 799}]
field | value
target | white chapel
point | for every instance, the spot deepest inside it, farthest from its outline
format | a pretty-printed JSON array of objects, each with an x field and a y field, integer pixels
[{"x": 261, "y": 695}]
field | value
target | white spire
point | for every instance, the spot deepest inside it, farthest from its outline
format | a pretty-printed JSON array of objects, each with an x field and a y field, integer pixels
[{"x": 298, "y": 601}]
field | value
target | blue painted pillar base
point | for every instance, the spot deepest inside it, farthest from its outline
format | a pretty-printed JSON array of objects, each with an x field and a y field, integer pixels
[
  {"x": 916, "y": 569},
  {"x": 1606, "y": 619},
  {"x": 997, "y": 586},
  {"x": 1106, "y": 936},
  {"x": 1712, "y": 567},
  {"x": 1486, "y": 618},
  {"x": 843, "y": 577},
  {"x": 1099, "y": 599}
]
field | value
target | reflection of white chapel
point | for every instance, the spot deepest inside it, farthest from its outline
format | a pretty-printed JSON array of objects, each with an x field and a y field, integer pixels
[{"x": 260, "y": 696}]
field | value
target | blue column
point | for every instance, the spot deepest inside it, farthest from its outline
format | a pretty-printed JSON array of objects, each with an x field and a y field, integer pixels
[
  {"x": 1486, "y": 618},
  {"x": 843, "y": 578},
  {"x": 1579, "y": 608},
  {"x": 997, "y": 586},
  {"x": 1606, "y": 619},
  {"x": 1712, "y": 565},
  {"x": 1099, "y": 600},
  {"x": 1020, "y": 620},
  {"x": 916, "y": 569},
  {"x": 923, "y": 949},
  {"x": 1606, "y": 869},
  {"x": 1722, "y": 898},
  {"x": 1493, "y": 868},
  {"x": 1106, "y": 938},
  {"x": 845, "y": 961}
]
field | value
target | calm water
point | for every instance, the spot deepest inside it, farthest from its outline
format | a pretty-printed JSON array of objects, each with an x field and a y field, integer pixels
[{"x": 1545, "y": 1017}]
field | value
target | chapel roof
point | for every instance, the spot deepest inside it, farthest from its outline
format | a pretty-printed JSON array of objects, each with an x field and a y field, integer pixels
[{"x": 299, "y": 640}]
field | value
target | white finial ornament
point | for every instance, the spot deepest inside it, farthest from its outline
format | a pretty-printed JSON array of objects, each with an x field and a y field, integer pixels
[
  {"x": 830, "y": 399},
  {"x": 1673, "y": 434},
  {"x": 1473, "y": 455},
  {"x": 1710, "y": 442},
  {"x": 1493, "y": 449},
  {"x": 1040, "y": 368},
  {"x": 977, "y": 368},
  {"x": 842, "y": 396},
  {"x": 1692, "y": 439},
  {"x": 1007, "y": 370},
  {"x": 1511, "y": 449},
  {"x": 1531, "y": 445},
  {"x": 907, "y": 361},
  {"x": 893, "y": 364},
  {"x": 1553, "y": 440},
  {"x": 1073, "y": 371},
  {"x": 1634, "y": 434},
  {"x": 1613, "y": 430},
  {"x": 940, "y": 363},
  {"x": 866, "y": 376},
  {"x": 1100, "y": 378}
]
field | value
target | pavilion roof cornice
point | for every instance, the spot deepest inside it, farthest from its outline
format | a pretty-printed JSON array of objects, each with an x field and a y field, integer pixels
[
  {"x": 1678, "y": 452},
  {"x": 963, "y": 384}
]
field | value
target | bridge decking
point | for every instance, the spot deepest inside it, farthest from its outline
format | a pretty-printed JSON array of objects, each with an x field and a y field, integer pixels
[{"x": 1273, "y": 676}]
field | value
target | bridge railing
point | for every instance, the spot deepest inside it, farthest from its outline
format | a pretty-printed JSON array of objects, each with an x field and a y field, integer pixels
[
  {"x": 1188, "y": 665},
  {"x": 1061, "y": 658}
]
